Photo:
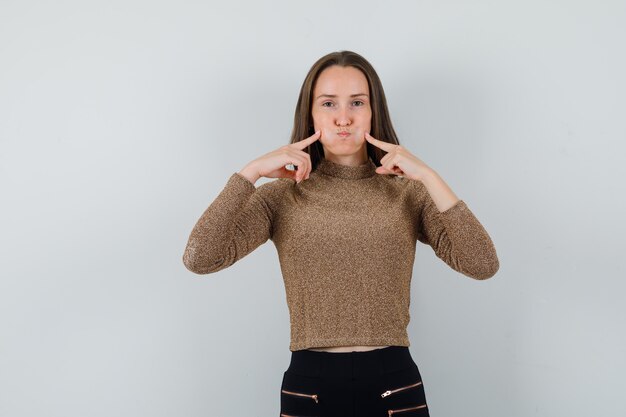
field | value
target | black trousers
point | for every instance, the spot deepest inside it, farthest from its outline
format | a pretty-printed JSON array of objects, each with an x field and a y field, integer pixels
[{"x": 382, "y": 382}]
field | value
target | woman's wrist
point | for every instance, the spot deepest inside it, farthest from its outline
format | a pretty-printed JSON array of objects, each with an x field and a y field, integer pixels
[{"x": 249, "y": 173}]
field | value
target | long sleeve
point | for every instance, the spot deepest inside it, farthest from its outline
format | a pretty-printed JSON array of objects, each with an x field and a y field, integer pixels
[
  {"x": 238, "y": 221},
  {"x": 456, "y": 236}
]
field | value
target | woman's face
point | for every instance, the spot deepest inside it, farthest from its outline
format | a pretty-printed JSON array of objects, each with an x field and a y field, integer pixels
[{"x": 341, "y": 110}]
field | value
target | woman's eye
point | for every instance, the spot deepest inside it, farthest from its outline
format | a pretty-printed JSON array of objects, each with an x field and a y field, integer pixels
[{"x": 357, "y": 103}]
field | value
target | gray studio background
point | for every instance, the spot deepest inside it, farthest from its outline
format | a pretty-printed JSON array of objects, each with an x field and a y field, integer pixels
[{"x": 121, "y": 121}]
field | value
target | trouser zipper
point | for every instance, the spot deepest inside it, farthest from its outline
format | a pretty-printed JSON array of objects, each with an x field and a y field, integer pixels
[
  {"x": 393, "y": 391},
  {"x": 391, "y": 412},
  {"x": 313, "y": 396},
  {"x": 389, "y": 392}
]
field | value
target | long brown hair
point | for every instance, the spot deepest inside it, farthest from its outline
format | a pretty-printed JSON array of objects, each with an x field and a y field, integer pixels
[{"x": 381, "y": 127}]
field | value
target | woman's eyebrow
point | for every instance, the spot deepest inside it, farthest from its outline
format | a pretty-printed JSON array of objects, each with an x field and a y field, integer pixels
[{"x": 334, "y": 95}]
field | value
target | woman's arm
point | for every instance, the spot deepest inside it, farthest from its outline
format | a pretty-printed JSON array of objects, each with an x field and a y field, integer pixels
[
  {"x": 445, "y": 222},
  {"x": 235, "y": 223},
  {"x": 453, "y": 231}
]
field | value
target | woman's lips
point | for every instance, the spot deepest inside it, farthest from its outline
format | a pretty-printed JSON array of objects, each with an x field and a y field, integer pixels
[{"x": 343, "y": 134}]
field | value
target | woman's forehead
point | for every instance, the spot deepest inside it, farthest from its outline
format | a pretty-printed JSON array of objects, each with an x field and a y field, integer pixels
[{"x": 341, "y": 81}]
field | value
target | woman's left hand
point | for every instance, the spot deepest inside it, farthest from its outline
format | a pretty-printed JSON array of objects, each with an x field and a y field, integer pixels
[{"x": 398, "y": 160}]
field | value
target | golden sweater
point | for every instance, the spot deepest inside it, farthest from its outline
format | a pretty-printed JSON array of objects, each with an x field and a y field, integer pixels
[{"x": 346, "y": 241}]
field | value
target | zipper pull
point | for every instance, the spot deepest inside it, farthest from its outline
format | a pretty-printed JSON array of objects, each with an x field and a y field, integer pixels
[{"x": 386, "y": 393}]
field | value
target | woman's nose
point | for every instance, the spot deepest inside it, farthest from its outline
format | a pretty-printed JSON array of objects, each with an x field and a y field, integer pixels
[{"x": 343, "y": 118}]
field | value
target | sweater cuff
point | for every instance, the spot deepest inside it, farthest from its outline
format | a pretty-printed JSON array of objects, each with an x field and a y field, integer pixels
[
  {"x": 457, "y": 209},
  {"x": 242, "y": 183},
  {"x": 457, "y": 215}
]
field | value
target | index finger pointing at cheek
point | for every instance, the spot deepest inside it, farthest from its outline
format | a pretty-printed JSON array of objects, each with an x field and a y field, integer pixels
[
  {"x": 385, "y": 146},
  {"x": 306, "y": 142}
]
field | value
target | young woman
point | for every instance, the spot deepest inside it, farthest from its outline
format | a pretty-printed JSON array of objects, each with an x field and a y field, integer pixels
[{"x": 345, "y": 222}]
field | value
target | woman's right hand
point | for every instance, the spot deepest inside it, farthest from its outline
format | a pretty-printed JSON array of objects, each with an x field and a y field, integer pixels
[{"x": 273, "y": 164}]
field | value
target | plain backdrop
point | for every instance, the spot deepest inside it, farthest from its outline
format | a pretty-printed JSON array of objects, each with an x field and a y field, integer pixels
[{"x": 120, "y": 122}]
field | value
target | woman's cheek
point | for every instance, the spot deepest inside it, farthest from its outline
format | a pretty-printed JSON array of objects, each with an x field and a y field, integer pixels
[
  {"x": 360, "y": 134},
  {"x": 327, "y": 135}
]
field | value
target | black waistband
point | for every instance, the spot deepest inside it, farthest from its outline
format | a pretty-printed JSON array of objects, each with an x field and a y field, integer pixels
[{"x": 350, "y": 364}]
